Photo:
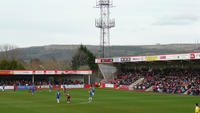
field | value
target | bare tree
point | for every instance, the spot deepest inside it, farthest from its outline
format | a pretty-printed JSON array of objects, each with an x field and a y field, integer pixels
[
  {"x": 48, "y": 64},
  {"x": 8, "y": 51},
  {"x": 52, "y": 63},
  {"x": 63, "y": 65}
]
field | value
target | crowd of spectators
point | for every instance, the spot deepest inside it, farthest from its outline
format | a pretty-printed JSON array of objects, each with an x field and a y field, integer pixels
[
  {"x": 125, "y": 78},
  {"x": 72, "y": 82},
  {"x": 15, "y": 82},
  {"x": 170, "y": 80},
  {"x": 24, "y": 82}
]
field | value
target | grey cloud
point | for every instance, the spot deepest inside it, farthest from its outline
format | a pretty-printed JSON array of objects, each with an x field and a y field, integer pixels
[{"x": 177, "y": 20}]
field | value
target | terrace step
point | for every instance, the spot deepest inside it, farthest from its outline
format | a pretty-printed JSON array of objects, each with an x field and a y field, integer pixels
[
  {"x": 135, "y": 83},
  {"x": 185, "y": 92},
  {"x": 107, "y": 71},
  {"x": 149, "y": 89}
]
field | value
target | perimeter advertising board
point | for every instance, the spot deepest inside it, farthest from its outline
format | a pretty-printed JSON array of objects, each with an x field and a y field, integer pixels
[
  {"x": 22, "y": 72},
  {"x": 164, "y": 57},
  {"x": 124, "y": 87},
  {"x": 5, "y": 72},
  {"x": 84, "y": 72},
  {"x": 50, "y": 72},
  {"x": 7, "y": 87},
  {"x": 197, "y": 55},
  {"x": 39, "y": 72},
  {"x": 73, "y": 86}
]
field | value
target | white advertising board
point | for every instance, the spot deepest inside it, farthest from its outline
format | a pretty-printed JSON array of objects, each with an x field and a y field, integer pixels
[
  {"x": 22, "y": 72},
  {"x": 39, "y": 72},
  {"x": 84, "y": 72},
  {"x": 50, "y": 72},
  {"x": 73, "y": 86},
  {"x": 109, "y": 85},
  {"x": 7, "y": 87}
]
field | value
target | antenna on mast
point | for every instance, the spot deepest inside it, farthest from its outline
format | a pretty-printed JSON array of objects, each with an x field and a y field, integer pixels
[{"x": 105, "y": 24}]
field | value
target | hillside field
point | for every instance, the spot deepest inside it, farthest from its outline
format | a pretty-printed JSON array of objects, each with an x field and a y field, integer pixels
[{"x": 104, "y": 101}]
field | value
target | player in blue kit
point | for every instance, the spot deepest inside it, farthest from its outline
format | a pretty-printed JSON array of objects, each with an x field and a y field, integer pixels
[
  {"x": 50, "y": 88},
  {"x": 90, "y": 95},
  {"x": 3, "y": 89},
  {"x": 58, "y": 97},
  {"x": 93, "y": 90},
  {"x": 33, "y": 89}
]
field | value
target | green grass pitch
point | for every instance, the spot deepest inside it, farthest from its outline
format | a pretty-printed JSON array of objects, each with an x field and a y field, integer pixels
[{"x": 104, "y": 101}]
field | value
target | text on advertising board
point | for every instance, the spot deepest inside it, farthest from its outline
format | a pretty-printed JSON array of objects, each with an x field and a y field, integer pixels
[
  {"x": 192, "y": 56},
  {"x": 106, "y": 60},
  {"x": 125, "y": 59},
  {"x": 151, "y": 58}
]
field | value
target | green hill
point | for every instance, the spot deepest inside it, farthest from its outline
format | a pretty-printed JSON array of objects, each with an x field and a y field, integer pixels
[{"x": 65, "y": 52}]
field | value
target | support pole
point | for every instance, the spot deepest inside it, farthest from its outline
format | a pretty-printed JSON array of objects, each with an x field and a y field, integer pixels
[
  {"x": 89, "y": 79},
  {"x": 33, "y": 79}
]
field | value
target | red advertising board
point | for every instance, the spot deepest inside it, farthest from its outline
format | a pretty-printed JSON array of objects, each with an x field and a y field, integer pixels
[
  {"x": 124, "y": 87},
  {"x": 5, "y": 72}
]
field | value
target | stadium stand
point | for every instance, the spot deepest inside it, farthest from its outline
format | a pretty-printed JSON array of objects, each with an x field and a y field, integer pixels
[
  {"x": 43, "y": 79},
  {"x": 169, "y": 80},
  {"x": 125, "y": 78},
  {"x": 177, "y": 73}
]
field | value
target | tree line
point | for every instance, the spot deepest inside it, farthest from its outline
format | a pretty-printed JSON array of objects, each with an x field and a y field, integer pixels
[
  {"x": 6, "y": 64},
  {"x": 9, "y": 60}
]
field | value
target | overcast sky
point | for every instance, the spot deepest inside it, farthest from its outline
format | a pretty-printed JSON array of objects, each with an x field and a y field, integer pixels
[{"x": 138, "y": 22}]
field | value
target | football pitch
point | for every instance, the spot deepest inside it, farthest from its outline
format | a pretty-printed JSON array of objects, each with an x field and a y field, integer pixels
[{"x": 104, "y": 101}]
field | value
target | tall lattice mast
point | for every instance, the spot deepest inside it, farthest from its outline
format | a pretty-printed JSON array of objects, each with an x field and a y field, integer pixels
[{"x": 104, "y": 23}]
